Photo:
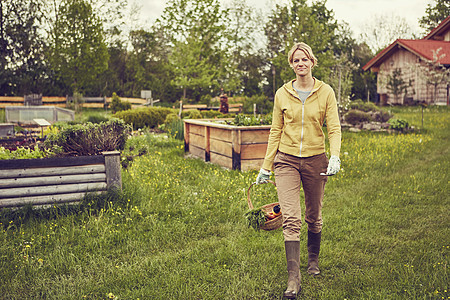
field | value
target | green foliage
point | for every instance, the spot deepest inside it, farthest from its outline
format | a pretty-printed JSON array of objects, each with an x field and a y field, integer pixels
[
  {"x": 77, "y": 52},
  {"x": 286, "y": 26},
  {"x": 399, "y": 124},
  {"x": 76, "y": 102},
  {"x": 118, "y": 105},
  {"x": 363, "y": 106},
  {"x": 355, "y": 117},
  {"x": 396, "y": 85},
  {"x": 211, "y": 114},
  {"x": 174, "y": 126},
  {"x": 24, "y": 153},
  {"x": 171, "y": 117},
  {"x": 150, "y": 117},
  {"x": 255, "y": 218},
  {"x": 435, "y": 14},
  {"x": 195, "y": 28},
  {"x": 97, "y": 119},
  {"x": 89, "y": 138},
  {"x": 246, "y": 120},
  {"x": 191, "y": 114},
  {"x": 263, "y": 104}
]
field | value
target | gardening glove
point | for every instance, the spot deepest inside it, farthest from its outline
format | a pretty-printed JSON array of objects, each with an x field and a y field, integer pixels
[
  {"x": 263, "y": 176},
  {"x": 333, "y": 165}
]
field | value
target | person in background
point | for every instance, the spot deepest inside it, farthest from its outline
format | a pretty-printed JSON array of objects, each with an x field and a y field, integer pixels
[
  {"x": 296, "y": 154},
  {"x": 223, "y": 103}
]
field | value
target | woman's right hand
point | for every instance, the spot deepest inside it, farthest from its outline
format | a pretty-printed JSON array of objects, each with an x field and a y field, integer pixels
[{"x": 263, "y": 176}]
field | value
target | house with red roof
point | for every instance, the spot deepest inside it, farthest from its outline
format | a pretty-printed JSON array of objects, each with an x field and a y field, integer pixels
[{"x": 415, "y": 70}]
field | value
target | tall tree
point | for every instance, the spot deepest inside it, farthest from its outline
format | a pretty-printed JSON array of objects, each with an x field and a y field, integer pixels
[
  {"x": 435, "y": 14},
  {"x": 22, "y": 68},
  {"x": 244, "y": 31},
  {"x": 78, "y": 52},
  {"x": 195, "y": 32},
  {"x": 299, "y": 22}
]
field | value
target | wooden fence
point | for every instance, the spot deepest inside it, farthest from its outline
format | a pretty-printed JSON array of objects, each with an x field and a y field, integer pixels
[
  {"x": 89, "y": 102},
  {"x": 48, "y": 181}
]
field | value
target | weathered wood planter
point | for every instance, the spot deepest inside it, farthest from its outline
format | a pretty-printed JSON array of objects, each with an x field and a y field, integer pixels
[
  {"x": 57, "y": 180},
  {"x": 234, "y": 147}
]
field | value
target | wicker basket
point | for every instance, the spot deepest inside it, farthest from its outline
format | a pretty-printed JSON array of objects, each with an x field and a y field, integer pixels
[{"x": 273, "y": 224}]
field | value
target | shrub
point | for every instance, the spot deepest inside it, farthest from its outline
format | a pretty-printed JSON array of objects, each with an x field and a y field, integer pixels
[
  {"x": 399, "y": 124},
  {"x": 355, "y": 116},
  {"x": 191, "y": 114},
  {"x": 119, "y": 105},
  {"x": 97, "y": 119},
  {"x": 381, "y": 116},
  {"x": 150, "y": 117},
  {"x": 211, "y": 114},
  {"x": 89, "y": 138},
  {"x": 170, "y": 118},
  {"x": 363, "y": 106}
]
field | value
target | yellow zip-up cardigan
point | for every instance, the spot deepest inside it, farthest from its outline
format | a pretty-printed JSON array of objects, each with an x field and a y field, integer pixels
[{"x": 297, "y": 127}]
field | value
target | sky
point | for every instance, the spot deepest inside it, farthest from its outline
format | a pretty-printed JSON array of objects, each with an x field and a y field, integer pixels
[{"x": 357, "y": 13}]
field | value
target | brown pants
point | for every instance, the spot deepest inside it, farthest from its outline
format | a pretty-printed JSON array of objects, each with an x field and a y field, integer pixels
[{"x": 291, "y": 173}]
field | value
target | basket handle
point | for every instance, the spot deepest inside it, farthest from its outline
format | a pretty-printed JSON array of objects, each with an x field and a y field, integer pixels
[{"x": 250, "y": 205}]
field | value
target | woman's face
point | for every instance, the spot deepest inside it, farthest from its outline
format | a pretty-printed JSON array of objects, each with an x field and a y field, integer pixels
[{"x": 301, "y": 64}]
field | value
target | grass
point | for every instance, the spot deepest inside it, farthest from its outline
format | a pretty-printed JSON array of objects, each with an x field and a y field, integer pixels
[{"x": 178, "y": 230}]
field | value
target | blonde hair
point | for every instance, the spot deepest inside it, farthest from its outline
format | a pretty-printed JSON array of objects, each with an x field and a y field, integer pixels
[{"x": 305, "y": 48}]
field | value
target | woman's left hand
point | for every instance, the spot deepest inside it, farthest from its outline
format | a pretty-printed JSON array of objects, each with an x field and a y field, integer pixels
[{"x": 333, "y": 165}]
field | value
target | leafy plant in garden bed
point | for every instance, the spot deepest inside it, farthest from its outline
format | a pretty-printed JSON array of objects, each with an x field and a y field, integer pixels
[
  {"x": 89, "y": 138},
  {"x": 246, "y": 120}
]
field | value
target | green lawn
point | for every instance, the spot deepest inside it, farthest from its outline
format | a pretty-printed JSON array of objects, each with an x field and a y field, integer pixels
[{"x": 178, "y": 232}]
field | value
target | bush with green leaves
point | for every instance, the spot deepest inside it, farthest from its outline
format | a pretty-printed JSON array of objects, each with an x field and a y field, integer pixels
[
  {"x": 364, "y": 106},
  {"x": 150, "y": 117},
  {"x": 399, "y": 124},
  {"x": 381, "y": 116},
  {"x": 97, "y": 119},
  {"x": 355, "y": 117},
  {"x": 212, "y": 114},
  {"x": 118, "y": 105},
  {"x": 89, "y": 138},
  {"x": 191, "y": 114},
  {"x": 24, "y": 153}
]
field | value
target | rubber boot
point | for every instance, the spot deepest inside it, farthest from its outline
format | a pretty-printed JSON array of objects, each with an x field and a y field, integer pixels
[
  {"x": 293, "y": 267},
  {"x": 313, "y": 252}
]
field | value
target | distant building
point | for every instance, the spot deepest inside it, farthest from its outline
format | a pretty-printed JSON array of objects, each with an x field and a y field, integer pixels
[{"x": 402, "y": 59}]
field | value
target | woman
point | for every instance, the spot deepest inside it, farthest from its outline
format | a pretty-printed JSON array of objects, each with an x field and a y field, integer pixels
[{"x": 296, "y": 153}]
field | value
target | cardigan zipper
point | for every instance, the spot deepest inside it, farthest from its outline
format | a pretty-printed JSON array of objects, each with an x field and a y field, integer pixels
[{"x": 303, "y": 122}]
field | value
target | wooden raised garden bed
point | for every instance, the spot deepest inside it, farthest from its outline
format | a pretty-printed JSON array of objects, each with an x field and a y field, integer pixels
[
  {"x": 48, "y": 181},
  {"x": 234, "y": 147}
]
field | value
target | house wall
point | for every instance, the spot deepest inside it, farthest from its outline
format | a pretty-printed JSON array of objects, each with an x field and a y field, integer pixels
[
  {"x": 419, "y": 90},
  {"x": 447, "y": 36}
]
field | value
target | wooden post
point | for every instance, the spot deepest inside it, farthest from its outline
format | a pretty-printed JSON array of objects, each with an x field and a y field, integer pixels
[
  {"x": 186, "y": 137},
  {"x": 207, "y": 144},
  {"x": 113, "y": 170},
  {"x": 236, "y": 145}
]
